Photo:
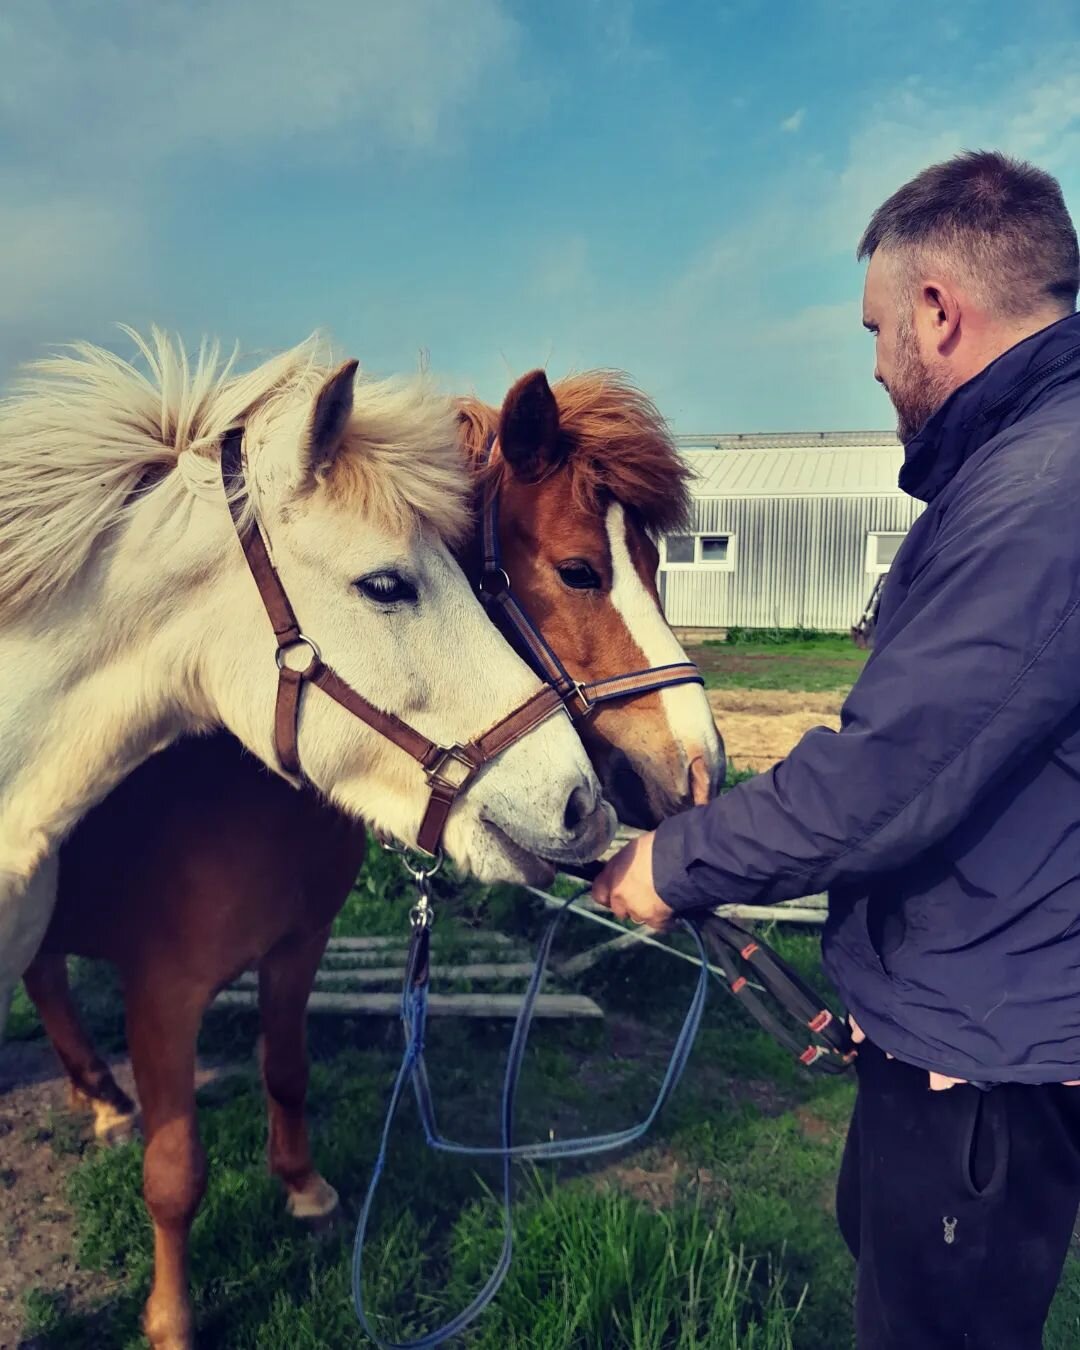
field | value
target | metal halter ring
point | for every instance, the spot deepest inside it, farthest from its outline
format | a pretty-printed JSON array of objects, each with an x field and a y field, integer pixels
[
  {"x": 501, "y": 581},
  {"x": 419, "y": 872},
  {"x": 423, "y": 873},
  {"x": 301, "y": 641}
]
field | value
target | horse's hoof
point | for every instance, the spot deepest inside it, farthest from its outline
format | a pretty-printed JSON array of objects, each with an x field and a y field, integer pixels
[
  {"x": 315, "y": 1204},
  {"x": 113, "y": 1127},
  {"x": 115, "y": 1116},
  {"x": 173, "y": 1343},
  {"x": 165, "y": 1332}
]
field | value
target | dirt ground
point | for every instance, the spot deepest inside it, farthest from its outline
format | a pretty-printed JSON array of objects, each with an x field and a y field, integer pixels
[
  {"x": 41, "y": 1142},
  {"x": 40, "y": 1145},
  {"x": 760, "y": 726}
]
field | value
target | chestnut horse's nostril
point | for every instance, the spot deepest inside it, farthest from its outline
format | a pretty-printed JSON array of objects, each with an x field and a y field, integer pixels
[
  {"x": 579, "y": 807},
  {"x": 705, "y": 779},
  {"x": 701, "y": 786}
]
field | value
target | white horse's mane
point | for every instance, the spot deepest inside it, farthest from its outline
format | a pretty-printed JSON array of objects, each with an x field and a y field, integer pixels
[{"x": 85, "y": 429}]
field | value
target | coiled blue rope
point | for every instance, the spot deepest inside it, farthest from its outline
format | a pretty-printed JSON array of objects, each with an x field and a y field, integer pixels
[{"x": 413, "y": 1071}]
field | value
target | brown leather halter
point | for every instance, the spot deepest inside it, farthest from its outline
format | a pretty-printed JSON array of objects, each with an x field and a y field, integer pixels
[{"x": 449, "y": 768}]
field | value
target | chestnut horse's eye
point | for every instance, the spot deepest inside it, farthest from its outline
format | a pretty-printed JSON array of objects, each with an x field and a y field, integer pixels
[
  {"x": 578, "y": 575},
  {"x": 387, "y": 588}
]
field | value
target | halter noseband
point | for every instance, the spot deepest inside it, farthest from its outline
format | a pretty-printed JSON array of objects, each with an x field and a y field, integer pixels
[
  {"x": 580, "y": 698},
  {"x": 449, "y": 769}
]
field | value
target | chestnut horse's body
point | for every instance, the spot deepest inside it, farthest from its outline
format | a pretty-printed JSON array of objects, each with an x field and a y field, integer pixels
[{"x": 203, "y": 864}]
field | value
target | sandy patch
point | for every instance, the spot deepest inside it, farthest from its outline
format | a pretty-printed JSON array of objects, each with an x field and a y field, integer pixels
[{"x": 760, "y": 726}]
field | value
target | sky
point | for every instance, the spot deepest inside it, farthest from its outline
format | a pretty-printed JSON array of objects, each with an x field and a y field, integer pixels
[{"x": 673, "y": 189}]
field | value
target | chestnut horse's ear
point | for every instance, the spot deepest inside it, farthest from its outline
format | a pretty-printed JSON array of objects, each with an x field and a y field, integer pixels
[
  {"x": 529, "y": 427},
  {"x": 329, "y": 418}
]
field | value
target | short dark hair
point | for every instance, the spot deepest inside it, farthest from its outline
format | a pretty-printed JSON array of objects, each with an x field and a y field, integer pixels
[{"x": 1002, "y": 222}]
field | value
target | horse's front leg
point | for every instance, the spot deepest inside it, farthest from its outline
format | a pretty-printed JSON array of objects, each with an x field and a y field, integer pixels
[
  {"x": 286, "y": 975},
  {"x": 26, "y": 906},
  {"x": 163, "y": 1022}
]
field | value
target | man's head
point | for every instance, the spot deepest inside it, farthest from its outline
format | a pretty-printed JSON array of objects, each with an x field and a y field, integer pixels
[{"x": 965, "y": 261}]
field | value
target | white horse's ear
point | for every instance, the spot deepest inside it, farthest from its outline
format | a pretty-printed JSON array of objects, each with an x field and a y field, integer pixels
[{"x": 329, "y": 418}]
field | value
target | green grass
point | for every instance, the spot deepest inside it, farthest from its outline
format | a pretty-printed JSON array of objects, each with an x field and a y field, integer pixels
[
  {"x": 96, "y": 987},
  {"x": 740, "y": 1250},
  {"x": 780, "y": 637},
  {"x": 595, "y": 1265},
  {"x": 800, "y": 661},
  {"x": 23, "y": 1023},
  {"x": 628, "y": 1275},
  {"x": 43, "y": 1312}
]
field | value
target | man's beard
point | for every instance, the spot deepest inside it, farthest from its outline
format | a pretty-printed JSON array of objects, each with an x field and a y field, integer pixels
[{"x": 917, "y": 391}]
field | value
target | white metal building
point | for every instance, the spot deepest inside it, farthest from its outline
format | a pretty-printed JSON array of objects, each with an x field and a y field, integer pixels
[{"x": 788, "y": 530}]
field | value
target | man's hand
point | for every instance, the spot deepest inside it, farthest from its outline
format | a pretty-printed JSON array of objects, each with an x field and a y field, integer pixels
[{"x": 625, "y": 886}]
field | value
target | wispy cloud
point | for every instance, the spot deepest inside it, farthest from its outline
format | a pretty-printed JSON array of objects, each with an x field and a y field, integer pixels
[
  {"x": 723, "y": 317},
  {"x": 152, "y": 80},
  {"x": 67, "y": 240},
  {"x": 561, "y": 269},
  {"x": 65, "y": 253},
  {"x": 613, "y": 24},
  {"x": 100, "y": 106},
  {"x": 598, "y": 182}
]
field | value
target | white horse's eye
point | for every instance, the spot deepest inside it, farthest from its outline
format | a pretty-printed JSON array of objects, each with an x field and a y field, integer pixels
[{"x": 387, "y": 588}]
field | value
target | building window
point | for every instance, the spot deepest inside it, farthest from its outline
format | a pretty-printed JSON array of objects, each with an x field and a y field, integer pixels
[
  {"x": 881, "y": 548},
  {"x": 679, "y": 548},
  {"x": 715, "y": 551}
]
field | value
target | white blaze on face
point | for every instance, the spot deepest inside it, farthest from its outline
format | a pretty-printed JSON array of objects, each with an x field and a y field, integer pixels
[{"x": 685, "y": 705}]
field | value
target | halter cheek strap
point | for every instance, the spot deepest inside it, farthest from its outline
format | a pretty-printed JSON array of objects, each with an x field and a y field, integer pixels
[
  {"x": 449, "y": 769},
  {"x": 580, "y": 697}
]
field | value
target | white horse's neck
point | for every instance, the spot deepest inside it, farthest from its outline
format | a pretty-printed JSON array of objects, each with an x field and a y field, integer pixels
[
  {"x": 98, "y": 678},
  {"x": 92, "y": 682}
]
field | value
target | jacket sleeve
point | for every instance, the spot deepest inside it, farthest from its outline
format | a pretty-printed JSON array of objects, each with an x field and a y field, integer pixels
[{"x": 980, "y": 665}]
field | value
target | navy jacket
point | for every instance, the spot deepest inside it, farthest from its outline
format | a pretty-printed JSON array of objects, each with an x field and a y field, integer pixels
[{"x": 944, "y": 816}]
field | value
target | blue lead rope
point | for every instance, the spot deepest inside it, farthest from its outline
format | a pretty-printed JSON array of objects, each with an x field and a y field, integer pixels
[{"x": 413, "y": 1069}]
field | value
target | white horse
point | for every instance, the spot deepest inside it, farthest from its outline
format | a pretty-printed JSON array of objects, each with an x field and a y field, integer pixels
[{"x": 128, "y": 615}]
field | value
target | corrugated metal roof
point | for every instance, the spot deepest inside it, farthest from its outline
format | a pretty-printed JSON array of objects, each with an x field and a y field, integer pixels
[
  {"x": 838, "y": 464},
  {"x": 784, "y": 440}
]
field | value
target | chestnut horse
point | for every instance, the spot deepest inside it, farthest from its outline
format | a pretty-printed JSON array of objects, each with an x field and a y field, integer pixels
[{"x": 203, "y": 864}]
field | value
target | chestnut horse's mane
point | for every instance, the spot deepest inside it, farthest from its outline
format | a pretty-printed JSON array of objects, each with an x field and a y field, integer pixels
[{"x": 616, "y": 444}]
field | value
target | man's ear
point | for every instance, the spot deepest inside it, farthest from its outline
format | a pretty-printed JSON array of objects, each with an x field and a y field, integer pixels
[{"x": 940, "y": 311}]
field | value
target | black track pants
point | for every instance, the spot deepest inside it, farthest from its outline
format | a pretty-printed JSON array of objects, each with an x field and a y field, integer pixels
[{"x": 958, "y": 1207}]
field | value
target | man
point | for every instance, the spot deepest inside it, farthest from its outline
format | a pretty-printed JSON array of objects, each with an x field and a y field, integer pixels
[{"x": 944, "y": 817}]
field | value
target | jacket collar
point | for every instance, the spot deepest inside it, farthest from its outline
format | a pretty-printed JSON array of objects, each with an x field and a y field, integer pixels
[{"x": 991, "y": 401}]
